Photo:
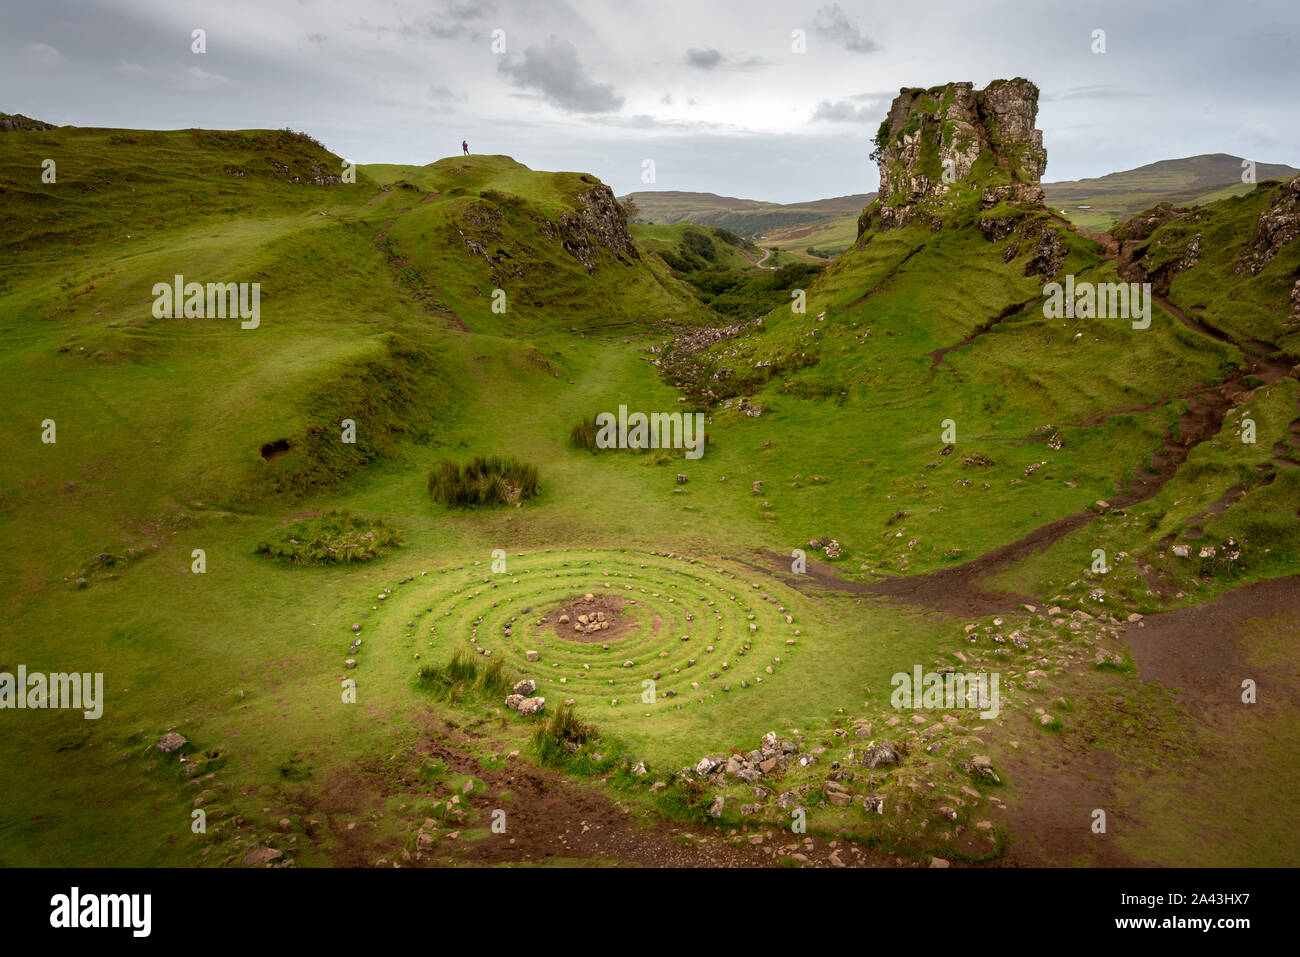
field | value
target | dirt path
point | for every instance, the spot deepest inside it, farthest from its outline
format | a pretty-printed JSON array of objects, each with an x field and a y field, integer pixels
[{"x": 767, "y": 253}]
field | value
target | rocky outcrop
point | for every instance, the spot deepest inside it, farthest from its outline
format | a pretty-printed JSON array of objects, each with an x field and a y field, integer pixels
[
  {"x": 597, "y": 223},
  {"x": 1277, "y": 226},
  {"x": 1144, "y": 224},
  {"x": 12, "y": 122},
  {"x": 1048, "y": 256},
  {"x": 938, "y": 146}
]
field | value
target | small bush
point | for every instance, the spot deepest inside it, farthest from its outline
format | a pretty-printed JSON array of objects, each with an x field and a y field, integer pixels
[
  {"x": 331, "y": 539},
  {"x": 451, "y": 679},
  {"x": 486, "y": 480},
  {"x": 583, "y": 435},
  {"x": 557, "y": 740},
  {"x": 492, "y": 683}
]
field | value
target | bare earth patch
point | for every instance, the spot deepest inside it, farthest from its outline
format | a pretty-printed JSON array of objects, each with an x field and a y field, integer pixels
[{"x": 563, "y": 619}]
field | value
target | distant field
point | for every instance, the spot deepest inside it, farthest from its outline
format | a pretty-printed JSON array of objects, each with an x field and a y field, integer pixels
[
  {"x": 814, "y": 241},
  {"x": 1192, "y": 181},
  {"x": 744, "y": 217}
]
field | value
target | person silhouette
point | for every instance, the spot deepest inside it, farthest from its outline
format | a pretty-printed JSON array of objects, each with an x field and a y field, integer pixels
[{"x": 464, "y": 144}]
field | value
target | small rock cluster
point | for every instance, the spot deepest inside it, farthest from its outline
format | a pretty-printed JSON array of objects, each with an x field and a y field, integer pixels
[
  {"x": 586, "y": 624},
  {"x": 828, "y": 545},
  {"x": 520, "y": 700},
  {"x": 771, "y": 755}
]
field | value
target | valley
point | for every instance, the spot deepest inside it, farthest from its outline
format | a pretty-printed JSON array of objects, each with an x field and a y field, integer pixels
[{"x": 908, "y": 464}]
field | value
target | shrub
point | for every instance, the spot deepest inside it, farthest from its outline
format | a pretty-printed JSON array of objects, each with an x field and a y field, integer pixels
[
  {"x": 490, "y": 480},
  {"x": 564, "y": 735},
  {"x": 450, "y": 679},
  {"x": 332, "y": 539},
  {"x": 583, "y": 435},
  {"x": 492, "y": 683}
]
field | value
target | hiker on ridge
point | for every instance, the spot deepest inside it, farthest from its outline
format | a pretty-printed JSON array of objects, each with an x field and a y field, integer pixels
[{"x": 464, "y": 144}]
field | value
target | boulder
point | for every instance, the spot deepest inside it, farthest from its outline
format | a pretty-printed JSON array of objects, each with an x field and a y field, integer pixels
[
  {"x": 879, "y": 755},
  {"x": 262, "y": 856},
  {"x": 171, "y": 742}
]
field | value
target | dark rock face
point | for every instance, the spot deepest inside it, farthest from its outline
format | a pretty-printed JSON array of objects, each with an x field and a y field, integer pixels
[
  {"x": 935, "y": 141},
  {"x": 1277, "y": 226},
  {"x": 598, "y": 223},
  {"x": 10, "y": 123},
  {"x": 1048, "y": 255}
]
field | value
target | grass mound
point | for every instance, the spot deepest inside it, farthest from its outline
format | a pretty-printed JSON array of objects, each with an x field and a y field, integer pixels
[
  {"x": 331, "y": 539},
  {"x": 461, "y": 675},
  {"x": 486, "y": 480}
]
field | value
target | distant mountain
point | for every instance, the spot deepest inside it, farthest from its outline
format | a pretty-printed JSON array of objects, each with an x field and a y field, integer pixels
[
  {"x": 1191, "y": 181},
  {"x": 824, "y": 226}
]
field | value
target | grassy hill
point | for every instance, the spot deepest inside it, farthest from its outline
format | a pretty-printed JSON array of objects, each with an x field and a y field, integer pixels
[
  {"x": 1190, "y": 181},
  {"x": 687, "y": 247},
  {"x": 377, "y": 296}
]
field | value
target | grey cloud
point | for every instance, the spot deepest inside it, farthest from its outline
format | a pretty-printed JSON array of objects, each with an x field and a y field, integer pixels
[
  {"x": 41, "y": 56},
  {"x": 707, "y": 59},
  {"x": 834, "y": 24},
  {"x": 191, "y": 79},
  {"x": 845, "y": 112},
  {"x": 555, "y": 72},
  {"x": 451, "y": 22},
  {"x": 710, "y": 59},
  {"x": 1091, "y": 93}
]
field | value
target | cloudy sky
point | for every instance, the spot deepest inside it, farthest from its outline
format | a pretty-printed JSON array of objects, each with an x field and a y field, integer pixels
[{"x": 717, "y": 93}]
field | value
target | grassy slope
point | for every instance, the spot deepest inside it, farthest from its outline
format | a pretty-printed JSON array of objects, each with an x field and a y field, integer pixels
[
  {"x": 727, "y": 250},
  {"x": 1247, "y": 307},
  {"x": 160, "y": 421}
]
